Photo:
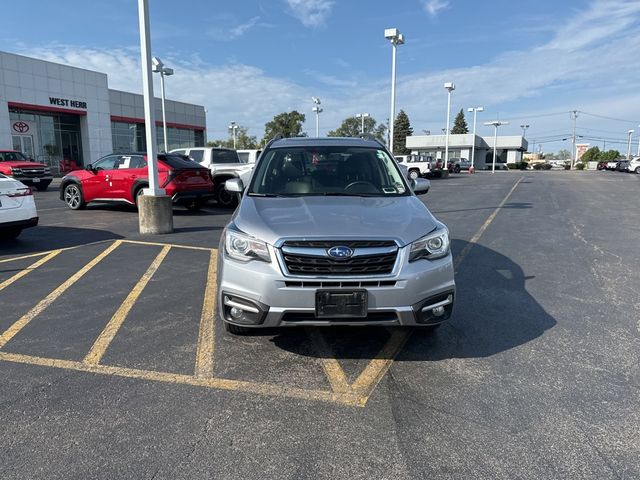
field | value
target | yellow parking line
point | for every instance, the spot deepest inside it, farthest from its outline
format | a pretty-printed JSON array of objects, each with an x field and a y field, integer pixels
[
  {"x": 174, "y": 245},
  {"x": 217, "y": 383},
  {"x": 332, "y": 368},
  {"x": 378, "y": 367},
  {"x": 49, "y": 299},
  {"x": 102, "y": 343},
  {"x": 22, "y": 257},
  {"x": 30, "y": 268},
  {"x": 207, "y": 334},
  {"x": 465, "y": 251}
]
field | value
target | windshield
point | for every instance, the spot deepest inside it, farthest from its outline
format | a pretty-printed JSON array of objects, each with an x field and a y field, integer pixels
[
  {"x": 12, "y": 157},
  {"x": 312, "y": 170}
]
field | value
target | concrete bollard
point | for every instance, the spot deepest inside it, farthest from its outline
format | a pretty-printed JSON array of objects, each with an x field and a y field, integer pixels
[{"x": 155, "y": 214}]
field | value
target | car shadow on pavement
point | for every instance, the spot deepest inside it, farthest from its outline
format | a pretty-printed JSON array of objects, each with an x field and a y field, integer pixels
[
  {"x": 44, "y": 238},
  {"x": 511, "y": 205},
  {"x": 493, "y": 313}
]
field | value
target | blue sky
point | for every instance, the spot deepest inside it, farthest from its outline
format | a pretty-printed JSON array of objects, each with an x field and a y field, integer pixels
[{"x": 527, "y": 62}]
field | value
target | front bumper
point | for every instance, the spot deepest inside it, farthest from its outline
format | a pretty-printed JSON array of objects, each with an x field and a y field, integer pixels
[
  {"x": 33, "y": 181},
  {"x": 280, "y": 300}
]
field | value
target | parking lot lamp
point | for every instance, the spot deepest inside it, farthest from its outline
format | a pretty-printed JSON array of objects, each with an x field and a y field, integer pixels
[
  {"x": 524, "y": 129},
  {"x": 475, "y": 111},
  {"x": 158, "y": 67},
  {"x": 318, "y": 110},
  {"x": 450, "y": 88},
  {"x": 638, "y": 154},
  {"x": 233, "y": 127},
  {"x": 630, "y": 133},
  {"x": 362, "y": 116},
  {"x": 396, "y": 38},
  {"x": 495, "y": 124}
]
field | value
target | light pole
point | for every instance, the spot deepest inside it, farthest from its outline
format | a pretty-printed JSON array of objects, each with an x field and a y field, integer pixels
[
  {"x": 396, "y": 38},
  {"x": 362, "y": 116},
  {"x": 155, "y": 209},
  {"x": 630, "y": 133},
  {"x": 450, "y": 88},
  {"x": 496, "y": 124},
  {"x": 574, "y": 117},
  {"x": 638, "y": 154},
  {"x": 475, "y": 111},
  {"x": 158, "y": 67},
  {"x": 233, "y": 127},
  {"x": 524, "y": 127},
  {"x": 318, "y": 111}
]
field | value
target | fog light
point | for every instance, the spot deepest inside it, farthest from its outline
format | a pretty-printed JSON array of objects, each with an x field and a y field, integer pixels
[
  {"x": 236, "y": 312},
  {"x": 438, "y": 311}
]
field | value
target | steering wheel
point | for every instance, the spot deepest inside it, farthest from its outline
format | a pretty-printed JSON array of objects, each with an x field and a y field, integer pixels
[{"x": 370, "y": 187}]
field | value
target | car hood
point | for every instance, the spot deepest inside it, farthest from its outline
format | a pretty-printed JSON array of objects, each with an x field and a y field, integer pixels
[
  {"x": 21, "y": 164},
  {"x": 404, "y": 219}
]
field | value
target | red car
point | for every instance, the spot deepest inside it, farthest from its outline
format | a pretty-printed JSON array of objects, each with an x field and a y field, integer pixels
[
  {"x": 15, "y": 165},
  {"x": 121, "y": 178}
]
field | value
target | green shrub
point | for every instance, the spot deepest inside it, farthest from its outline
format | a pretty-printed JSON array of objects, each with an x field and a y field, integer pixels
[
  {"x": 513, "y": 166},
  {"x": 580, "y": 166},
  {"x": 524, "y": 165}
]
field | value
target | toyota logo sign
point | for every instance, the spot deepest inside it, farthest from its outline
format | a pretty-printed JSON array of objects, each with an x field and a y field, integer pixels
[{"x": 21, "y": 127}]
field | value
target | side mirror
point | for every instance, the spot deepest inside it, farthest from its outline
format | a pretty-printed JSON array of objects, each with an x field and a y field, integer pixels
[
  {"x": 234, "y": 185},
  {"x": 420, "y": 186}
]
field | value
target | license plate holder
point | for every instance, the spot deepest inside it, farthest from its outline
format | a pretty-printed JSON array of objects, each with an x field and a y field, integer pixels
[
  {"x": 36, "y": 180},
  {"x": 341, "y": 303}
]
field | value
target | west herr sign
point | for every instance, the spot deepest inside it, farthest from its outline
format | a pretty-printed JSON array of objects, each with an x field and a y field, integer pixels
[{"x": 65, "y": 102}]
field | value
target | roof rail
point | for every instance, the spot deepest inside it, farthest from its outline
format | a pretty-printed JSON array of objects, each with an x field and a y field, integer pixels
[
  {"x": 277, "y": 136},
  {"x": 369, "y": 136}
]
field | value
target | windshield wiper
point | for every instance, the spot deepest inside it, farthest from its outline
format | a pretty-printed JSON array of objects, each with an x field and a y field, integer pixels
[
  {"x": 268, "y": 195},
  {"x": 345, "y": 194}
]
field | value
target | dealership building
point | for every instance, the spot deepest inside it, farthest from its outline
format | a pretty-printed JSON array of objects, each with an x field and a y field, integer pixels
[
  {"x": 65, "y": 116},
  {"x": 509, "y": 149}
]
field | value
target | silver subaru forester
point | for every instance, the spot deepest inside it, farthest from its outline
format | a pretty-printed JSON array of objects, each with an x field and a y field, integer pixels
[{"x": 330, "y": 232}]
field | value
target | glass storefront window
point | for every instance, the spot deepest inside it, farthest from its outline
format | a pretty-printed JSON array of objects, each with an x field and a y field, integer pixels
[{"x": 130, "y": 137}]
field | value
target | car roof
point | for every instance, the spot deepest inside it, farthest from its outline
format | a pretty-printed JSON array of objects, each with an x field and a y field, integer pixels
[{"x": 325, "y": 142}]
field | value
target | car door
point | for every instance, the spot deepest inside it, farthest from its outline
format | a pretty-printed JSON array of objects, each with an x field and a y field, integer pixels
[
  {"x": 99, "y": 183},
  {"x": 128, "y": 169}
]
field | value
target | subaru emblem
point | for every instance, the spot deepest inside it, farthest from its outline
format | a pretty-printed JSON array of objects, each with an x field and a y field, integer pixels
[{"x": 340, "y": 253}]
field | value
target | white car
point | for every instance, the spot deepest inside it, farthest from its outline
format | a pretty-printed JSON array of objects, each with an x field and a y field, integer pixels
[
  {"x": 17, "y": 208},
  {"x": 634, "y": 165}
]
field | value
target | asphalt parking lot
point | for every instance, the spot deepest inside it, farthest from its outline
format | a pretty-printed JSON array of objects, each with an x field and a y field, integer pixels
[{"x": 113, "y": 365}]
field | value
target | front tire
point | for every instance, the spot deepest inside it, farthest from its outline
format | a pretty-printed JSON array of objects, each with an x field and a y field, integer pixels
[
  {"x": 10, "y": 234},
  {"x": 225, "y": 199},
  {"x": 73, "y": 197},
  {"x": 637, "y": 170},
  {"x": 235, "y": 329}
]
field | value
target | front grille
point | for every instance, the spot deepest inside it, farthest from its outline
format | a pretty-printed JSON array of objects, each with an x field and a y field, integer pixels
[
  {"x": 311, "y": 317},
  {"x": 32, "y": 172},
  {"x": 316, "y": 263},
  {"x": 325, "y": 284}
]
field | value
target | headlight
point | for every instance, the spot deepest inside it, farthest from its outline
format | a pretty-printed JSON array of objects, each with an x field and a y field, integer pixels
[
  {"x": 432, "y": 246},
  {"x": 244, "y": 248},
  {"x": 47, "y": 170},
  {"x": 16, "y": 171}
]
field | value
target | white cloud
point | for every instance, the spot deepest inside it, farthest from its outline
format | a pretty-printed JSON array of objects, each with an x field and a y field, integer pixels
[
  {"x": 432, "y": 7},
  {"x": 312, "y": 13},
  {"x": 241, "y": 29},
  {"x": 582, "y": 65}
]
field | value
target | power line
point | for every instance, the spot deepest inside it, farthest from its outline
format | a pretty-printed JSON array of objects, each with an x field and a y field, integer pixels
[{"x": 609, "y": 118}]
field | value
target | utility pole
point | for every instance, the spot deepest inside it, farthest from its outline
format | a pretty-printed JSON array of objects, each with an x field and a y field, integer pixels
[{"x": 574, "y": 117}]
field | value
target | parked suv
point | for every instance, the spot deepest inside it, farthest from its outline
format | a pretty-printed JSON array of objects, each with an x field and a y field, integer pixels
[
  {"x": 457, "y": 164},
  {"x": 122, "y": 177},
  {"x": 15, "y": 165},
  {"x": 330, "y": 232},
  {"x": 224, "y": 164},
  {"x": 634, "y": 165}
]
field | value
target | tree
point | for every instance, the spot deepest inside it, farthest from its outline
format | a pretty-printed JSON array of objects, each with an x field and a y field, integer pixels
[
  {"x": 564, "y": 154},
  {"x": 608, "y": 156},
  {"x": 401, "y": 130},
  {"x": 351, "y": 126},
  {"x": 460, "y": 124},
  {"x": 288, "y": 124},
  {"x": 244, "y": 141},
  {"x": 591, "y": 155}
]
